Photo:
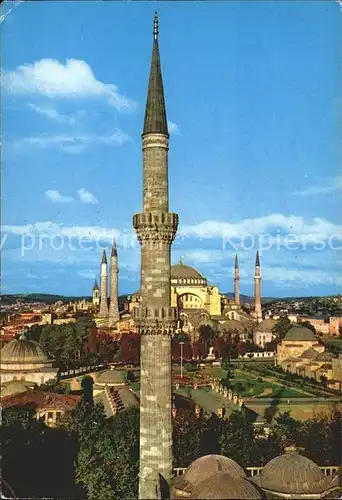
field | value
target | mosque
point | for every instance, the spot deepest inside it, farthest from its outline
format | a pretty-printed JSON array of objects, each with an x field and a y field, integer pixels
[{"x": 197, "y": 302}]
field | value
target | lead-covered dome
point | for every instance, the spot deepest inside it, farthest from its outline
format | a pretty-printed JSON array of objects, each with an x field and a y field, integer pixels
[
  {"x": 13, "y": 387},
  {"x": 22, "y": 351},
  {"x": 266, "y": 325},
  {"x": 292, "y": 473},
  {"x": 112, "y": 377},
  {"x": 205, "y": 467},
  {"x": 181, "y": 274},
  {"x": 299, "y": 333},
  {"x": 225, "y": 486}
]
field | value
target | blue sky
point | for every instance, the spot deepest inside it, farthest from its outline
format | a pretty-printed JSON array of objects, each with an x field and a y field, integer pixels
[{"x": 253, "y": 102}]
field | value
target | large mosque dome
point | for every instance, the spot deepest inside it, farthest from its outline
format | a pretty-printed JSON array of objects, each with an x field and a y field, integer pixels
[{"x": 182, "y": 274}]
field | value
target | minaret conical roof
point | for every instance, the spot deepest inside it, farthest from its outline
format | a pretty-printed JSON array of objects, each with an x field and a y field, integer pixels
[
  {"x": 104, "y": 257},
  {"x": 114, "y": 250},
  {"x": 155, "y": 113},
  {"x": 257, "y": 260},
  {"x": 236, "y": 262},
  {"x": 96, "y": 286}
]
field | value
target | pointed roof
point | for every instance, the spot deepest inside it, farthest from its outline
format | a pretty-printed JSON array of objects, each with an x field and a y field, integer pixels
[
  {"x": 257, "y": 260},
  {"x": 96, "y": 286},
  {"x": 114, "y": 250},
  {"x": 104, "y": 258},
  {"x": 236, "y": 262},
  {"x": 155, "y": 113}
]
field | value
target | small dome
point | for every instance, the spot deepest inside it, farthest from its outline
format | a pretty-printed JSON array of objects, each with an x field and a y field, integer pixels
[
  {"x": 111, "y": 377},
  {"x": 326, "y": 356},
  {"x": 13, "y": 387},
  {"x": 205, "y": 467},
  {"x": 223, "y": 485},
  {"x": 184, "y": 271},
  {"x": 266, "y": 325},
  {"x": 309, "y": 354},
  {"x": 22, "y": 350},
  {"x": 300, "y": 333},
  {"x": 292, "y": 473}
]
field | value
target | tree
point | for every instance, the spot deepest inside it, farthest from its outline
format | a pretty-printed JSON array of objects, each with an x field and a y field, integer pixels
[
  {"x": 281, "y": 327},
  {"x": 186, "y": 438}
]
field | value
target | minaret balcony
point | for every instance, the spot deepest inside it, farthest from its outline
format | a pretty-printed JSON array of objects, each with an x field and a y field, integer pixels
[{"x": 156, "y": 226}]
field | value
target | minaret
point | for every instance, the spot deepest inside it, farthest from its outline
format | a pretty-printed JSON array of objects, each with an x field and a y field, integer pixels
[
  {"x": 257, "y": 289},
  {"x": 104, "y": 287},
  {"x": 155, "y": 318},
  {"x": 236, "y": 282},
  {"x": 96, "y": 294},
  {"x": 114, "y": 272}
]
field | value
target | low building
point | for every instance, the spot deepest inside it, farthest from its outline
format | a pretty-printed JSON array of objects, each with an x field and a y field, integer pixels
[
  {"x": 263, "y": 334},
  {"x": 297, "y": 340},
  {"x": 47, "y": 407}
]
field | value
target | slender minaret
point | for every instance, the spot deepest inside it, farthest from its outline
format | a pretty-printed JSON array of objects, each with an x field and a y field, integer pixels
[
  {"x": 114, "y": 272},
  {"x": 96, "y": 294},
  {"x": 155, "y": 318},
  {"x": 257, "y": 289},
  {"x": 104, "y": 287},
  {"x": 237, "y": 282}
]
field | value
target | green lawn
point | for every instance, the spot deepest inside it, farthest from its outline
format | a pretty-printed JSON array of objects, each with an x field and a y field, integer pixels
[{"x": 207, "y": 399}]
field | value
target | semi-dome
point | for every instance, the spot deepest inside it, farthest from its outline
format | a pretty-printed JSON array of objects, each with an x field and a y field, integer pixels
[
  {"x": 22, "y": 350},
  {"x": 13, "y": 387},
  {"x": 111, "y": 377},
  {"x": 205, "y": 467},
  {"x": 292, "y": 473},
  {"x": 266, "y": 325},
  {"x": 299, "y": 333},
  {"x": 309, "y": 354},
  {"x": 326, "y": 356},
  {"x": 224, "y": 486}
]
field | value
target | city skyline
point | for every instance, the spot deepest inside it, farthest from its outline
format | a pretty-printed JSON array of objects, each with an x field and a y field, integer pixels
[{"x": 254, "y": 128}]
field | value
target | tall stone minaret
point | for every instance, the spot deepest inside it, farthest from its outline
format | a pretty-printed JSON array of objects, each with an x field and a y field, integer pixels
[
  {"x": 104, "y": 287},
  {"x": 236, "y": 282},
  {"x": 155, "y": 318},
  {"x": 114, "y": 273},
  {"x": 257, "y": 289}
]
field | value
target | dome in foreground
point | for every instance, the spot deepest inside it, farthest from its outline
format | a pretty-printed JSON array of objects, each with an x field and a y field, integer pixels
[
  {"x": 206, "y": 467},
  {"x": 13, "y": 387},
  {"x": 111, "y": 377},
  {"x": 298, "y": 333},
  {"x": 224, "y": 486},
  {"x": 292, "y": 473},
  {"x": 326, "y": 356},
  {"x": 22, "y": 350},
  {"x": 309, "y": 354}
]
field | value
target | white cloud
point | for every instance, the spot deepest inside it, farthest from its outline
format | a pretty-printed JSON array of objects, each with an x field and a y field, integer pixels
[
  {"x": 73, "y": 143},
  {"x": 51, "y": 78},
  {"x": 57, "y": 197},
  {"x": 328, "y": 186},
  {"x": 87, "y": 274},
  {"x": 53, "y": 114},
  {"x": 173, "y": 128},
  {"x": 273, "y": 226},
  {"x": 86, "y": 197}
]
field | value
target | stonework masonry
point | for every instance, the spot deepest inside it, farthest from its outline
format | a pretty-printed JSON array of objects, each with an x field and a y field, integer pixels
[{"x": 155, "y": 318}]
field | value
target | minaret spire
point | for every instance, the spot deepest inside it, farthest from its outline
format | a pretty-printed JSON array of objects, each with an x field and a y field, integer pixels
[
  {"x": 155, "y": 114},
  {"x": 236, "y": 282},
  {"x": 114, "y": 280},
  {"x": 154, "y": 317},
  {"x": 257, "y": 288}
]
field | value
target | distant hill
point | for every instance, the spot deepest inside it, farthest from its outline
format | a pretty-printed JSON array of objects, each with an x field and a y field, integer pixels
[
  {"x": 45, "y": 298},
  {"x": 246, "y": 299}
]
